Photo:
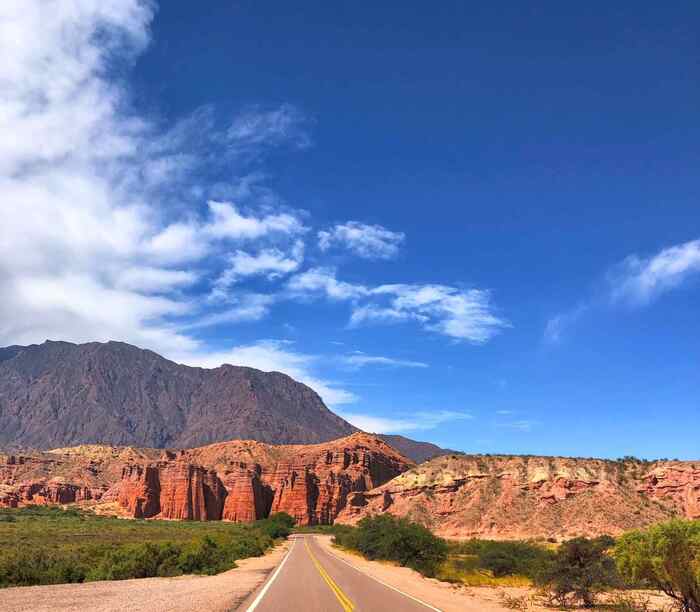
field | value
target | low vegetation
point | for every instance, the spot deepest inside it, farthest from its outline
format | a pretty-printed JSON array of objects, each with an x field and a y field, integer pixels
[
  {"x": 395, "y": 539},
  {"x": 48, "y": 545},
  {"x": 572, "y": 575},
  {"x": 578, "y": 572},
  {"x": 665, "y": 557}
]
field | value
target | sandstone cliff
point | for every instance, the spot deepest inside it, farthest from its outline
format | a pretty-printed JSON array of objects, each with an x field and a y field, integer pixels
[
  {"x": 242, "y": 480},
  {"x": 522, "y": 497}
]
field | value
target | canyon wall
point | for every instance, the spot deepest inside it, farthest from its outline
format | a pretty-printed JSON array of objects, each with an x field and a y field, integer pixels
[
  {"x": 525, "y": 497},
  {"x": 241, "y": 480}
]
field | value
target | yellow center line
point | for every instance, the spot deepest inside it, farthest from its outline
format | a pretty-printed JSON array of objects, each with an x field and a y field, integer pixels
[{"x": 344, "y": 600}]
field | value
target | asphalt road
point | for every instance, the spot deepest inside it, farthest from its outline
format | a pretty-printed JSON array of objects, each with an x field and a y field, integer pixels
[{"x": 310, "y": 579}]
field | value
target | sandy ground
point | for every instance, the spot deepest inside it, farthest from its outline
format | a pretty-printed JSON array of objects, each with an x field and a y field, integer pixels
[
  {"x": 220, "y": 593},
  {"x": 453, "y": 598}
]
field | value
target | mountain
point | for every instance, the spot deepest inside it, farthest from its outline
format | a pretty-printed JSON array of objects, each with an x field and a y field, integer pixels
[
  {"x": 534, "y": 497},
  {"x": 417, "y": 451},
  {"x": 63, "y": 394},
  {"x": 240, "y": 480}
]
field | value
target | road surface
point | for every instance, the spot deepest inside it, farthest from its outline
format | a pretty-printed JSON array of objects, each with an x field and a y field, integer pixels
[{"x": 309, "y": 579}]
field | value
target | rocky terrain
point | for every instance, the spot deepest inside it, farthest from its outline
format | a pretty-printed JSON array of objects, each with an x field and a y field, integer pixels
[
  {"x": 241, "y": 480},
  {"x": 417, "y": 451},
  {"x": 525, "y": 497},
  {"x": 63, "y": 394}
]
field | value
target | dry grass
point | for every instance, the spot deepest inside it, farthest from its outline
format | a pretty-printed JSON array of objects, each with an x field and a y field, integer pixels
[{"x": 464, "y": 569}]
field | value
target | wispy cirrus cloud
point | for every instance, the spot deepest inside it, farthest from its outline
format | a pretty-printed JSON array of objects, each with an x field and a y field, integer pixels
[
  {"x": 457, "y": 313},
  {"x": 367, "y": 241},
  {"x": 634, "y": 282},
  {"x": 420, "y": 420},
  {"x": 359, "y": 360},
  {"x": 640, "y": 280}
]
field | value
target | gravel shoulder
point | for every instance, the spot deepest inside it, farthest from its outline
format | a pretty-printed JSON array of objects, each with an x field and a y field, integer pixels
[{"x": 220, "y": 593}]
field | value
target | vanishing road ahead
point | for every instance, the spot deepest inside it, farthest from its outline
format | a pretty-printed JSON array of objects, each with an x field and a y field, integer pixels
[{"x": 309, "y": 579}]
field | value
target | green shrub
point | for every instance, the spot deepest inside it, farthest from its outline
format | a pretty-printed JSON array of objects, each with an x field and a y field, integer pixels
[
  {"x": 396, "y": 539},
  {"x": 506, "y": 558},
  {"x": 578, "y": 571},
  {"x": 665, "y": 557},
  {"x": 46, "y": 545}
]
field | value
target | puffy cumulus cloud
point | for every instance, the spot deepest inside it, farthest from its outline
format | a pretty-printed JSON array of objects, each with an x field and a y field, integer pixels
[
  {"x": 367, "y": 241},
  {"x": 276, "y": 356},
  {"x": 228, "y": 222},
  {"x": 639, "y": 280}
]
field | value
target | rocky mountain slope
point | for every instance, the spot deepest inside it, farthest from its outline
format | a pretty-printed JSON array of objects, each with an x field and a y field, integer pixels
[
  {"x": 523, "y": 497},
  {"x": 242, "y": 480},
  {"x": 417, "y": 451},
  {"x": 62, "y": 394}
]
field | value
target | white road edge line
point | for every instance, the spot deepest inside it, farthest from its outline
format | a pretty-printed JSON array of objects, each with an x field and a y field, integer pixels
[
  {"x": 260, "y": 596},
  {"x": 427, "y": 605}
]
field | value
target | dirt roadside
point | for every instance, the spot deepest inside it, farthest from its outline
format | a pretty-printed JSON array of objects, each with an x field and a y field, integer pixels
[
  {"x": 220, "y": 593},
  {"x": 454, "y": 598}
]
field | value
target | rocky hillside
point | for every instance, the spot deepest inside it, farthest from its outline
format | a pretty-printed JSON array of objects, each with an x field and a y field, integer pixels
[
  {"x": 417, "y": 451},
  {"x": 242, "y": 480},
  {"x": 524, "y": 497},
  {"x": 63, "y": 394}
]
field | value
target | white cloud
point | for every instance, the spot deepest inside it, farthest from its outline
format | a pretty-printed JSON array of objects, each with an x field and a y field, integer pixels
[
  {"x": 417, "y": 421},
  {"x": 247, "y": 307},
  {"x": 636, "y": 282},
  {"x": 228, "y": 222},
  {"x": 324, "y": 282},
  {"x": 456, "y": 313},
  {"x": 640, "y": 280},
  {"x": 368, "y": 241},
  {"x": 275, "y": 355},
  {"x": 558, "y": 325},
  {"x": 257, "y": 128},
  {"x": 99, "y": 232},
  {"x": 146, "y": 279},
  {"x": 358, "y": 360},
  {"x": 522, "y": 425},
  {"x": 272, "y": 263}
]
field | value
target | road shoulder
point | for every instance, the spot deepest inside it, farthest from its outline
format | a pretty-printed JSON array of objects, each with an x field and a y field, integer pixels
[{"x": 441, "y": 595}]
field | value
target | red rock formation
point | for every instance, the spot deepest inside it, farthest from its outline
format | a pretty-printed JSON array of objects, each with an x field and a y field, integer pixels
[
  {"x": 523, "y": 497},
  {"x": 235, "y": 481},
  {"x": 677, "y": 483},
  {"x": 248, "y": 499}
]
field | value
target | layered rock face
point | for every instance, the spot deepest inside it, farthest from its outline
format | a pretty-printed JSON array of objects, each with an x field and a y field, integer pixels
[
  {"x": 523, "y": 497},
  {"x": 235, "y": 481}
]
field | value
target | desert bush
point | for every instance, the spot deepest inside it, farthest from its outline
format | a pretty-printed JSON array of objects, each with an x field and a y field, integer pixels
[
  {"x": 578, "y": 571},
  {"x": 665, "y": 557},
  {"x": 49, "y": 546},
  {"x": 396, "y": 539}
]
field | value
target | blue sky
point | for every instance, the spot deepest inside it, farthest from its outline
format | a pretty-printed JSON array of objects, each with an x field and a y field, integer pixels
[{"x": 472, "y": 225}]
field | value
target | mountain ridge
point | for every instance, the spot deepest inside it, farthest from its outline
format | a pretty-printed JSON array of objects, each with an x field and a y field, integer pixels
[{"x": 60, "y": 394}]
